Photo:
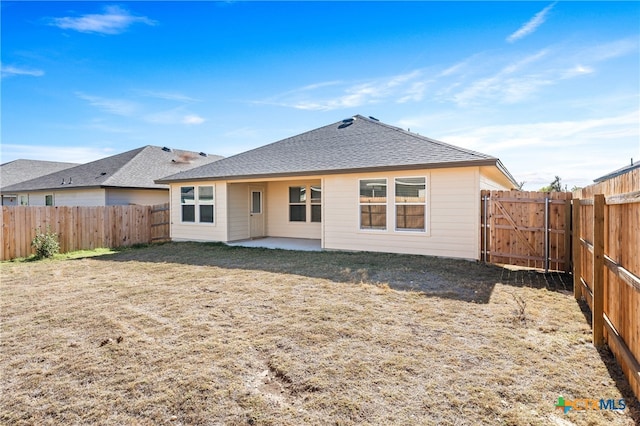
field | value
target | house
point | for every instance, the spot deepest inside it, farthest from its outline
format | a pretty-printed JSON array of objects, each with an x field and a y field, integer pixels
[
  {"x": 126, "y": 178},
  {"x": 22, "y": 170},
  {"x": 626, "y": 169},
  {"x": 357, "y": 184}
]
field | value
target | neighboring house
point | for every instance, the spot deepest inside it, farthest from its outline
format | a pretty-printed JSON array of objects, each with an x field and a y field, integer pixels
[
  {"x": 356, "y": 185},
  {"x": 22, "y": 170},
  {"x": 121, "y": 179},
  {"x": 620, "y": 171}
]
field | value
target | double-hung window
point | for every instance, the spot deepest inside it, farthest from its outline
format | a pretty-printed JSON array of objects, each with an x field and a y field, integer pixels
[
  {"x": 205, "y": 203},
  {"x": 410, "y": 198},
  {"x": 373, "y": 204},
  {"x": 316, "y": 203},
  {"x": 198, "y": 199},
  {"x": 297, "y": 203}
]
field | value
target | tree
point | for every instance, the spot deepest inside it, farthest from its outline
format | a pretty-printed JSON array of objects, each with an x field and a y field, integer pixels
[{"x": 554, "y": 186}]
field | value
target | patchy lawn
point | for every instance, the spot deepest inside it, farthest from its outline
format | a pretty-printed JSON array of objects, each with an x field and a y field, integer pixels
[{"x": 184, "y": 334}]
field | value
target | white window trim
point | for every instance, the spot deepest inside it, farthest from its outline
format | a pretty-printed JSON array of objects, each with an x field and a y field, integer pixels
[
  {"x": 197, "y": 203},
  {"x": 298, "y": 203},
  {"x": 314, "y": 202},
  {"x": 425, "y": 204},
  {"x": 386, "y": 204},
  {"x": 212, "y": 203},
  {"x": 308, "y": 203}
]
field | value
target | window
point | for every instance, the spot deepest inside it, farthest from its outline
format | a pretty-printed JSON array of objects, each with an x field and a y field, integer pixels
[
  {"x": 187, "y": 200},
  {"x": 24, "y": 200},
  {"x": 410, "y": 203},
  {"x": 204, "y": 205},
  {"x": 316, "y": 204},
  {"x": 48, "y": 200},
  {"x": 256, "y": 202},
  {"x": 297, "y": 204},
  {"x": 373, "y": 204},
  {"x": 205, "y": 202}
]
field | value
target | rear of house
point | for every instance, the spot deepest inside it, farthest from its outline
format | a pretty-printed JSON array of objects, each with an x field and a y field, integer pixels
[{"x": 357, "y": 185}]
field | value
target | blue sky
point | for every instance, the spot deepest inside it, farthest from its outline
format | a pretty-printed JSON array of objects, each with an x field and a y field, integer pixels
[{"x": 551, "y": 88}]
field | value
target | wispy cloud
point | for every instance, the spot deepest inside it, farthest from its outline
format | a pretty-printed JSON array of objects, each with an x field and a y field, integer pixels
[
  {"x": 173, "y": 116},
  {"x": 577, "y": 71},
  {"x": 168, "y": 96},
  {"x": 595, "y": 146},
  {"x": 532, "y": 25},
  {"x": 500, "y": 138},
  {"x": 192, "y": 119},
  {"x": 114, "y": 20},
  {"x": 122, "y": 107},
  {"x": 512, "y": 83},
  {"x": 147, "y": 112},
  {"x": 482, "y": 79},
  {"x": 344, "y": 94},
  {"x": 9, "y": 71},
  {"x": 67, "y": 154}
]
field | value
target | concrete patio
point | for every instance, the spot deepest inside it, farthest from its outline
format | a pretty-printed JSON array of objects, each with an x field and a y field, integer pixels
[{"x": 300, "y": 244}]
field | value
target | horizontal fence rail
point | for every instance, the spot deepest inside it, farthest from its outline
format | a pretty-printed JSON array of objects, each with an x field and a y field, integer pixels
[{"x": 82, "y": 228}]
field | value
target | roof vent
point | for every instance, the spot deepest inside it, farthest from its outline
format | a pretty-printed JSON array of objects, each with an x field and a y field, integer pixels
[
  {"x": 103, "y": 173},
  {"x": 343, "y": 125},
  {"x": 348, "y": 120},
  {"x": 203, "y": 154},
  {"x": 70, "y": 182},
  {"x": 62, "y": 181},
  {"x": 373, "y": 118},
  {"x": 165, "y": 149}
]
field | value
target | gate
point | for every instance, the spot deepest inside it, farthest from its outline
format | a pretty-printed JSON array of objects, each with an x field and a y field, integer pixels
[{"x": 531, "y": 229}]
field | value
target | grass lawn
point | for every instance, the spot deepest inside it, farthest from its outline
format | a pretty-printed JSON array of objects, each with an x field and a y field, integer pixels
[{"x": 204, "y": 334}]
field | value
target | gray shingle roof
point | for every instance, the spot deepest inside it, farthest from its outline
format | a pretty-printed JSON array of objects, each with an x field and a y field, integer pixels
[
  {"x": 360, "y": 144},
  {"x": 137, "y": 168},
  {"x": 620, "y": 171},
  {"x": 22, "y": 170}
]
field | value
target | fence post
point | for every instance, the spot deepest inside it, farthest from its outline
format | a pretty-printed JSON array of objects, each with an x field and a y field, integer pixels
[
  {"x": 576, "y": 249},
  {"x": 546, "y": 234},
  {"x": 484, "y": 230},
  {"x": 567, "y": 236},
  {"x": 598, "y": 270}
]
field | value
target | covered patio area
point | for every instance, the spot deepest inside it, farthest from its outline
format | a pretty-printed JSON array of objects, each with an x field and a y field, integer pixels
[{"x": 300, "y": 244}]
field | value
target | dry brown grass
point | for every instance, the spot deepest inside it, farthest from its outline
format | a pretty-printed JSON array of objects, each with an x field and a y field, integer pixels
[{"x": 186, "y": 334}]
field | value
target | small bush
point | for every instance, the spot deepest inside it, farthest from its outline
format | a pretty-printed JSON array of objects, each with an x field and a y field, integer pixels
[{"x": 45, "y": 243}]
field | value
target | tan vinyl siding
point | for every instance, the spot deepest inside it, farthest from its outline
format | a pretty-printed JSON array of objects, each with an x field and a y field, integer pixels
[
  {"x": 216, "y": 231},
  {"x": 492, "y": 179},
  {"x": 452, "y": 215},
  {"x": 277, "y": 211},
  {"x": 238, "y": 210},
  {"x": 144, "y": 197},
  {"x": 80, "y": 197}
]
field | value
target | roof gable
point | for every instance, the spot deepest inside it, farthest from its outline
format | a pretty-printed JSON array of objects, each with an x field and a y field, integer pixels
[
  {"x": 137, "y": 168},
  {"x": 355, "y": 144}
]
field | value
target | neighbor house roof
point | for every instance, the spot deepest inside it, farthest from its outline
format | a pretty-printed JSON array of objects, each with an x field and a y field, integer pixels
[
  {"x": 351, "y": 145},
  {"x": 621, "y": 171},
  {"x": 137, "y": 168},
  {"x": 22, "y": 170}
]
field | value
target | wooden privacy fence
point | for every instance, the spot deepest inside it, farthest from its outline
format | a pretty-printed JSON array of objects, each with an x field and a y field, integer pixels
[
  {"x": 606, "y": 263},
  {"x": 80, "y": 228},
  {"x": 526, "y": 229}
]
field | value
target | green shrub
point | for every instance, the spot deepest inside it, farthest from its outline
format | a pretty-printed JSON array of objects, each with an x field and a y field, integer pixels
[{"x": 45, "y": 243}]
